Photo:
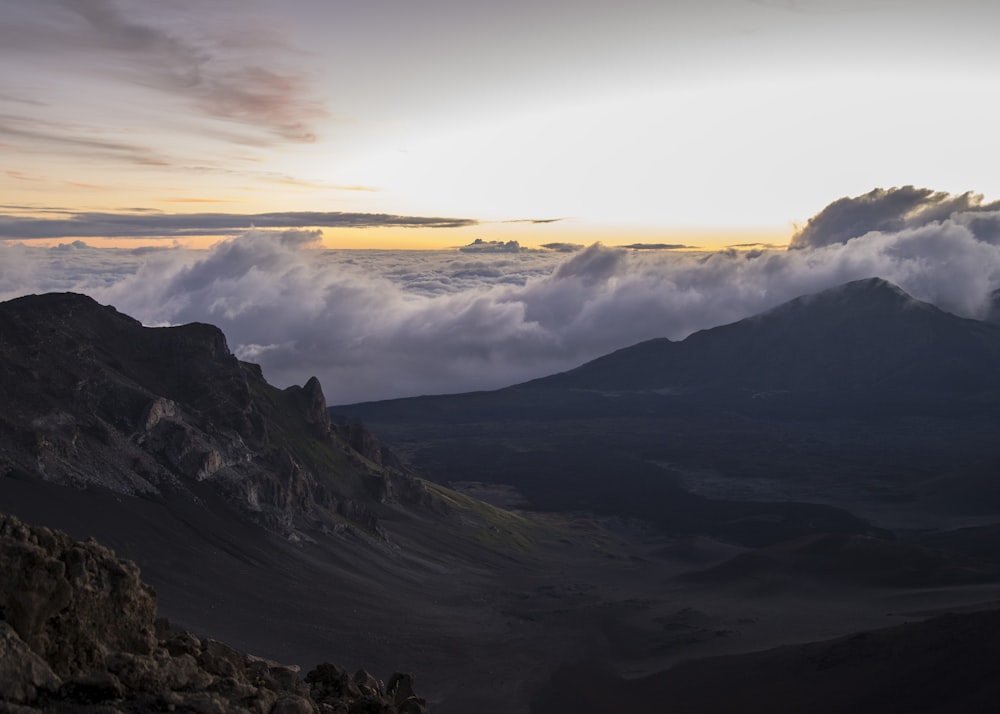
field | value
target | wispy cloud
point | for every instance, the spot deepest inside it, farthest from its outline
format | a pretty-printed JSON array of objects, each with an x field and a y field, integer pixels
[
  {"x": 536, "y": 221},
  {"x": 657, "y": 246},
  {"x": 64, "y": 138},
  {"x": 17, "y": 99},
  {"x": 81, "y": 184},
  {"x": 201, "y": 74},
  {"x": 218, "y": 76},
  {"x": 761, "y": 246},
  {"x": 21, "y": 176},
  {"x": 151, "y": 224}
]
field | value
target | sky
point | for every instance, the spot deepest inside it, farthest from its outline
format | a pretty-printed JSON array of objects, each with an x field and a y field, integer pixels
[
  {"x": 408, "y": 198},
  {"x": 402, "y": 124}
]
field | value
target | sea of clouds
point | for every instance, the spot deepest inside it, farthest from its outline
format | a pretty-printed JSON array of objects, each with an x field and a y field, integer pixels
[{"x": 383, "y": 324}]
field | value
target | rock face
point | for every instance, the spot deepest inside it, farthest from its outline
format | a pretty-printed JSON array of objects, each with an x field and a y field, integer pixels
[
  {"x": 93, "y": 398},
  {"x": 365, "y": 443},
  {"x": 55, "y": 592},
  {"x": 78, "y": 634}
]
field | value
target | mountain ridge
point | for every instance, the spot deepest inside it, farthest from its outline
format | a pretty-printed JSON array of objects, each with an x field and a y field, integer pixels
[
  {"x": 863, "y": 334},
  {"x": 859, "y": 397},
  {"x": 171, "y": 408}
]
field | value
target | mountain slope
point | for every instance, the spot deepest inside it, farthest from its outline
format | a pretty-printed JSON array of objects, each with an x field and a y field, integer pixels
[
  {"x": 866, "y": 334},
  {"x": 263, "y": 524},
  {"x": 859, "y": 397},
  {"x": 942, "y": 665}
]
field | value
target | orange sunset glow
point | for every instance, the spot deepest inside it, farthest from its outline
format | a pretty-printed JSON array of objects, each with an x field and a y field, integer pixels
[{"x": 689, "y": 123}]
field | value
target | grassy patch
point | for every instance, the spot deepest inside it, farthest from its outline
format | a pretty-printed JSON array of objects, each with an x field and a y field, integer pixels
[{"x": 488, "y": 525}]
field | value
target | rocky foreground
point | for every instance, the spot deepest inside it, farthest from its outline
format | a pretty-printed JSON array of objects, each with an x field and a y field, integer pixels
[{"x": 78, "y": 633}]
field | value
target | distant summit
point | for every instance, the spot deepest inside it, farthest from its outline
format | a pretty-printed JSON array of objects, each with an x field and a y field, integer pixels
[{"x": 866, "y": 334}]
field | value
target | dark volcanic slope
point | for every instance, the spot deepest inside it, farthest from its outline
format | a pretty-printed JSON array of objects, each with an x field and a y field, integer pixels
[
  {"x": 946, "y": 664},
  {"x": 842, "y": 558},
  {"x": 861, "y": 335},
  {"x": 859, "y": 397}
]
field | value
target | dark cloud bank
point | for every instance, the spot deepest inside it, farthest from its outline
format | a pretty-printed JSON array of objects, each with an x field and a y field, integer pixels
[
  {"x": 383, "y": 325},
  {"x": 144, "y": 225}
]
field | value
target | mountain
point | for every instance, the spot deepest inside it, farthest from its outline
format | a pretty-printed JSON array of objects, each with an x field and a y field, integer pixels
[
  {"x": 258, "y": 520},
  {"x": 265, "y": 524},
  {"x": 94, "y": 399},
  {"x": 863, "y": 335},
  {"x": 859, "y": 397}
]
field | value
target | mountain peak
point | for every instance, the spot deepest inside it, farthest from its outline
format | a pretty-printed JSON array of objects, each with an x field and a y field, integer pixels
[
  {"x": 852, "y": 298},
  {"x": 868, "y": 288},
  {"x": 63, "y": 307}
]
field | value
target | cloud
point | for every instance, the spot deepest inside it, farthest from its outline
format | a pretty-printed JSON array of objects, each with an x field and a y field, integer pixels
[
  {"x": 491, "y": 246},
  {"x": 657, "y": 246},
  {"x": 380, "y": 324},
  {"x": 757, "y": 245},
  {"x": 887, "y": 210},
  {"x": 220, "y": 75},
  {"x": 20, "y": 176},
  {"x": 535, "y": 221},
  {"x": 201, "y": 74},
  {"x": 298, "y": 238},
  {"x": 75, "y": 245},
  {"x": 152, "y": 224},
  {"x": 594, "y": 264},
  {"x": 563, "y": 247},
  {"x": 69, "y": 266},
  {"x": 65, "y": 138}
]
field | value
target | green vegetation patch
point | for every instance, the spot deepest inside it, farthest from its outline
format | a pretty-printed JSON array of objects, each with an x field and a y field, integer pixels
[{"x": 490, "y": 526}]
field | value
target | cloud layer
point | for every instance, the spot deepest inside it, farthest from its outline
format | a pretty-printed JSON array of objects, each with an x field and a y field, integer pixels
[{"x": 375, "y": 325}]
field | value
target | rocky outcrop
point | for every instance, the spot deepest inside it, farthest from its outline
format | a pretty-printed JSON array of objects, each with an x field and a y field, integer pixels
[
  {"x": 353, "y": 431},
  {"x": 56, "y": 591},
  {"x": 78, "y": 634},
  {"x": 93, "y": 398}
]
